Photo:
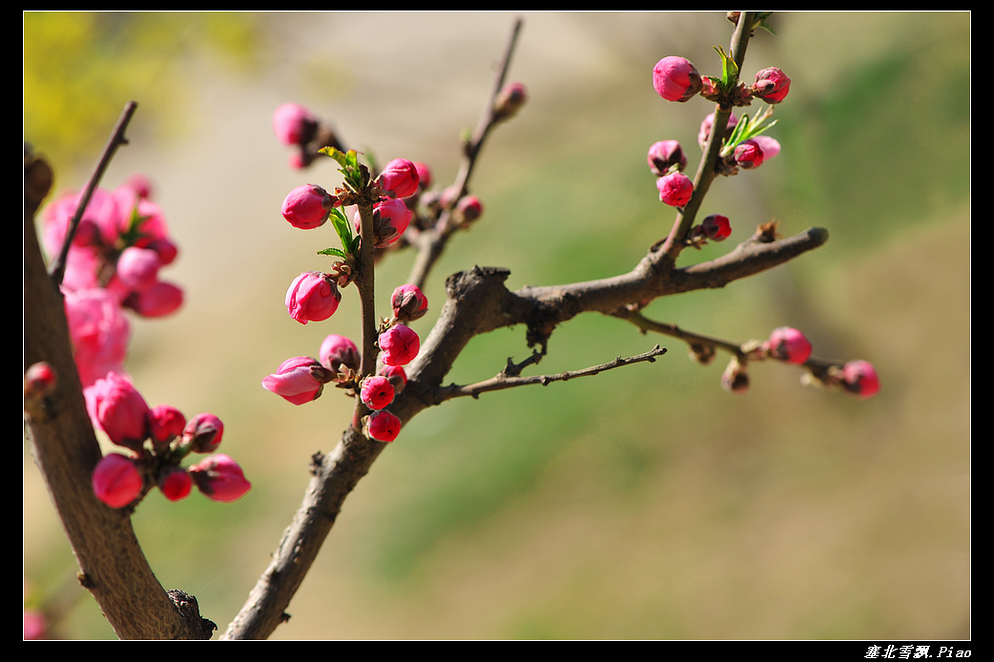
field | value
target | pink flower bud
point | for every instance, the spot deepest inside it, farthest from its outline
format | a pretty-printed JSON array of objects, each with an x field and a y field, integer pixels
[
  {"x": 307, "y": 207},
  {"x": 157, "y": 301},
  {"x": 676, "y": 79},
  {"x": 510, "y": 100},
  {"x": 381, "y": 426},
  {"x": 165, "y": 248},
  {"x": 771, "y": 85},
  {"x": 203, "y": 433},
  {"x": 339, "y": 352},
  {"x": 117, "y": 408},
  {"x": 298, "y": 380},
  {"x": 39, "y": 380},
  {"x": 788, "y": 344},
  {"x": 165, "y": 423},
  {"x": 390, "y": 219},
  {"x": 860, "y": 378},
  {"x": 424, "y": 174},
  {"x": 141, "y": 185},
  {"x": 665, "y": 154},
  {"x": 675, "y": 189},
  {"x": 716, "y": 227},
  {"x": 175, "y": 483},
  {"x": 468, "y": 209},
  {"x": 400, "y": 177},
  {"x": 396, "y": 375},
  {"x": 377, "y": 392},
  {"x": 116, "y": 480},
  {"x": 705, "y": 131},
  {"x": 293, "y": 124},
  {"x": 220, "y": 478},
  {"x": 312, "y": 297},
  {"x": 399, "y": 345},
  {"x": 138, "y": 268},
  {"x": 409, "y": 303},
  {"x": 770, "y": 146},
  {"x": 748, "y": 154}
]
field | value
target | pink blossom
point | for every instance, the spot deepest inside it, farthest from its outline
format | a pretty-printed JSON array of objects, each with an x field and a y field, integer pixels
[
  {"x": 165, "y": 423},
  {"x": 99, "y": 332},
  {"x": 390, "y": 219},
  {"x": 399, "y": 345},
  {"x": 138, "y": 268},
  {"x": 399, "y": 177},
  {"x": 307, "y": 207},
  {"x": 676, "y": 79},
  {"x": 175, "y": 483},
  {"x": 860, "y": 378},
  {"x": 203, "y": 433},
  {"x": 377, "y": 392},
  {"x": 34, "y": 624},
  {"x": 382, "y": 426},
  {"x": 424, "y": 174},
  {"x": 716, "y": 227},
  {"x": 293, "y": 124},
  {"x": 117, "y": 408},
  {"x": 771, "y": 85},
  {"x": 312, "y": 297},
  {"x": 116, "y": 480},
  {"x": 665, "y": 154},
  {"x": 298, "y": 380},
  {"x": 770, "y": 146},
  {"x": 141, "y": 185},
  {"x": 220, "y": 478},
  {"x": 788, "y": 344},
  {"x": 675, "y": 189},
  {"x": 157, "y": 301},
  {"x": 337, "y": 352},
  {"x": 409, "y": 303}
]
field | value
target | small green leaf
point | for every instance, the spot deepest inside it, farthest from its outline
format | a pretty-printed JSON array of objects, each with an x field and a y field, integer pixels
[
  {"x": 334, "y": 251},
  {"x": 343, "y": 228}
]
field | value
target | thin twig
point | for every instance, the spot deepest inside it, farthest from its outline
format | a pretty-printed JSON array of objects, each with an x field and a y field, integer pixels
[
  {"x": 432, "y": 242},
  {"x": 57, "y": 269},
  {"x": 504, "y": 380}
]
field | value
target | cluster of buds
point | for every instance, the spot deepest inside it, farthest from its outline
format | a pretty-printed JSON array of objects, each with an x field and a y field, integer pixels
[
  {"x": 301, "y": 379},
  {"x": 789, "y": 345},
  {"x": 153, "y": 442},
  {"x": 667, "y": 161},
  {"x": 113, "y": 264}
]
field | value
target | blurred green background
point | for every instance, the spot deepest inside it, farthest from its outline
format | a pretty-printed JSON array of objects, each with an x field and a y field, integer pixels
[{"x": 641, "y": 503}]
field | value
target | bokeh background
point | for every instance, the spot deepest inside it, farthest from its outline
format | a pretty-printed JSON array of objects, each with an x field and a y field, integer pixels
[{"x": 641, "y": 503}]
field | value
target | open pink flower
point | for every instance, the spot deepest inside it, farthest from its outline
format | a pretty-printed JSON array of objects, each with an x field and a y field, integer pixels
[
  {"x": 220, "y": 478},
  {"x": 312, "y": 297},
  {"x": 116, "y": 480}
]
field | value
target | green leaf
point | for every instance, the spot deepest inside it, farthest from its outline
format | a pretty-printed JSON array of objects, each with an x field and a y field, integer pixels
[
  {"x": 334, "y": 251},
  {"x": 343, "y": 228}
]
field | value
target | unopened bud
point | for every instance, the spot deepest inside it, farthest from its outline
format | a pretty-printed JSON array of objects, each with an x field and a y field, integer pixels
[
  {"x": 860, "y": 378},
  {"x": 203, "y": 433},
  {"x": 175, "y": 483},
  {"x": 509, "y": 100},
  {"x": 664, "y": 155},
  {"x": 676, "y": 79},
  {"x": 409, "y": 303},
  {"x": 381, "y": 426},
  {"x": 675, "y": 189},
  {"x": 788, "y": 344},
  {"x": 771, "y": 85},
  {"x": 116, "y": 480}
]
